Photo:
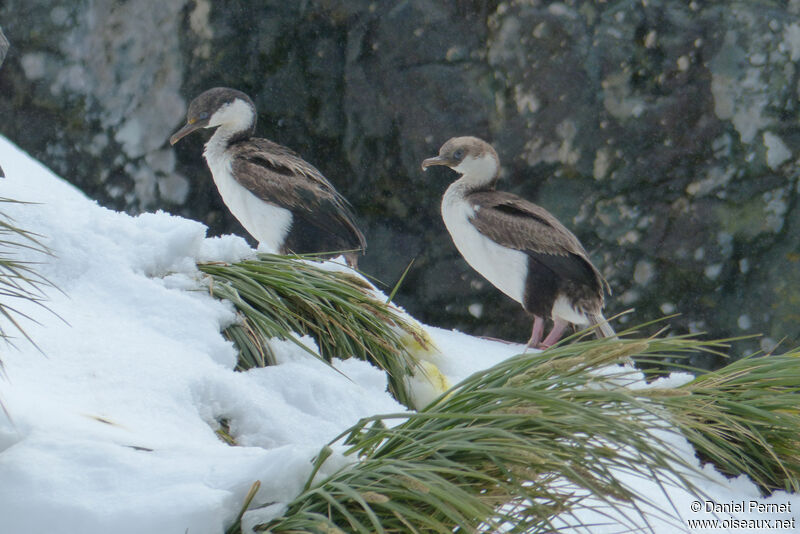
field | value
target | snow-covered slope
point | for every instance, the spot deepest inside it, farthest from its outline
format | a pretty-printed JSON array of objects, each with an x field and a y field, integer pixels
[{"x": 111, "y": 425}]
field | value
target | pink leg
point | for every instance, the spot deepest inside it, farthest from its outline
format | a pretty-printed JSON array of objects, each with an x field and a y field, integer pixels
[
  {"x": 555, "y": 334},
  {"x": 536, "y": 333}
]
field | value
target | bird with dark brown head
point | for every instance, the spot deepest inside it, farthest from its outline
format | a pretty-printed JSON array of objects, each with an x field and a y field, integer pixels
[
  {"x": 519, "y": 247},
  {"x": 284, "y": 202}
]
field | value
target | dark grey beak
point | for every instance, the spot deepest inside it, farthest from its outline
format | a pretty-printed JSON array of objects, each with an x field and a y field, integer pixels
[
  {"x": 187, "y": 129},
  {"x": 436, "y": 160},
  {"x": 2, "y": 174}
]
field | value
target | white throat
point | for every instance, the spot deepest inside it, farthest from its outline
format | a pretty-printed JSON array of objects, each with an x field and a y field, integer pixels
[
  {"x": 232, "y": 118},
  {"x": 477, "y": 171}
]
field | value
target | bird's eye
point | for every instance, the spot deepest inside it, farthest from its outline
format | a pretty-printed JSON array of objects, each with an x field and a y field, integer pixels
[{"x": 458, "y": 154}]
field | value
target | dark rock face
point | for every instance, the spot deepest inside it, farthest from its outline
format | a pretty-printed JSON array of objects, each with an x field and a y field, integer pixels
[{"x": 665, "y": 135}]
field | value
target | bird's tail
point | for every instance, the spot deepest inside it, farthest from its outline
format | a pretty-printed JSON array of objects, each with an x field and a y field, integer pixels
[{"x": 601, "y": 326}]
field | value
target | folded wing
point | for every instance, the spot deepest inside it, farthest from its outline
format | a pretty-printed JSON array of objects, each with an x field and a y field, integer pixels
[
  {"x": 323, "y": 220},
  {"x": 518, "y": 224}
]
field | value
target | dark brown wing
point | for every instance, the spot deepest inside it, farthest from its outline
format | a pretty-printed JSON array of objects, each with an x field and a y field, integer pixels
[
  {"x": 323, "y": 221},
  {"x": 521, "y": 225}
]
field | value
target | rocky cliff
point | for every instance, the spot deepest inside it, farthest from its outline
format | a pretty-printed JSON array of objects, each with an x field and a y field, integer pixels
[{"x": 665, "y": 134}]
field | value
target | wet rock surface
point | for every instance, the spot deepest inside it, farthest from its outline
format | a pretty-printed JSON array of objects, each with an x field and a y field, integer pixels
[{"x": 665, "y": 134}]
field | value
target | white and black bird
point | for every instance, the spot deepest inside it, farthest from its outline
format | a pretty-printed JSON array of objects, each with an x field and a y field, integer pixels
[
  {"x": 518, "y": 246},
  {"x": 284, "y": 202}
]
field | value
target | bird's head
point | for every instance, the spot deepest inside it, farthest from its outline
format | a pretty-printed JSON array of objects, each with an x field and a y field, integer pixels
[
  {"x": 217, "y": 107},
  {"x": 471, "y": 157}
]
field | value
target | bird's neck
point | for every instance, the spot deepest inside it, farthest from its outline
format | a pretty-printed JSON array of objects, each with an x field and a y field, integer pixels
[
  {"x": 224, "y": 136},
  {"x": 235, "y": 121},
  {"x": 477, "y": 173}
]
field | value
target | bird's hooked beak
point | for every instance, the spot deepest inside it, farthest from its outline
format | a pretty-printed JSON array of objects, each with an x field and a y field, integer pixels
[
  {"x": 189, "y": 127},
  {"x": 436, "y": 160}
]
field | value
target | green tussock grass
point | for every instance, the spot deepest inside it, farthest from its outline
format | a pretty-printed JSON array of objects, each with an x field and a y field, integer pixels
[
  {"x": 285, "y": 297},
  {"x": 545, "y": 435},
  {"x": 19, "y": 280},
  {"x": 745, "y": 418}
]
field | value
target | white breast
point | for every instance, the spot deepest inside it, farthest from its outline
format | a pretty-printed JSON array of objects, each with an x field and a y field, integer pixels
[
  {"x": 267, "y": 223},
  {"x": 505, "y": 268}
]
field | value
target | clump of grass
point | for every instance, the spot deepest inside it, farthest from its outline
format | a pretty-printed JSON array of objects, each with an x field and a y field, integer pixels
[
  {"x": 19, "y": 280},
  {"x": 529, "y": 443},
  {"x": 286, "y": 297},
  {"x": 745, "y": 418},
  {"x": 509, "y": 448}
]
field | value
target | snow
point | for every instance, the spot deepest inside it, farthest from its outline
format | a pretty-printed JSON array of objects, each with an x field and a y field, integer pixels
[{"x": 112, "y": 424}]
